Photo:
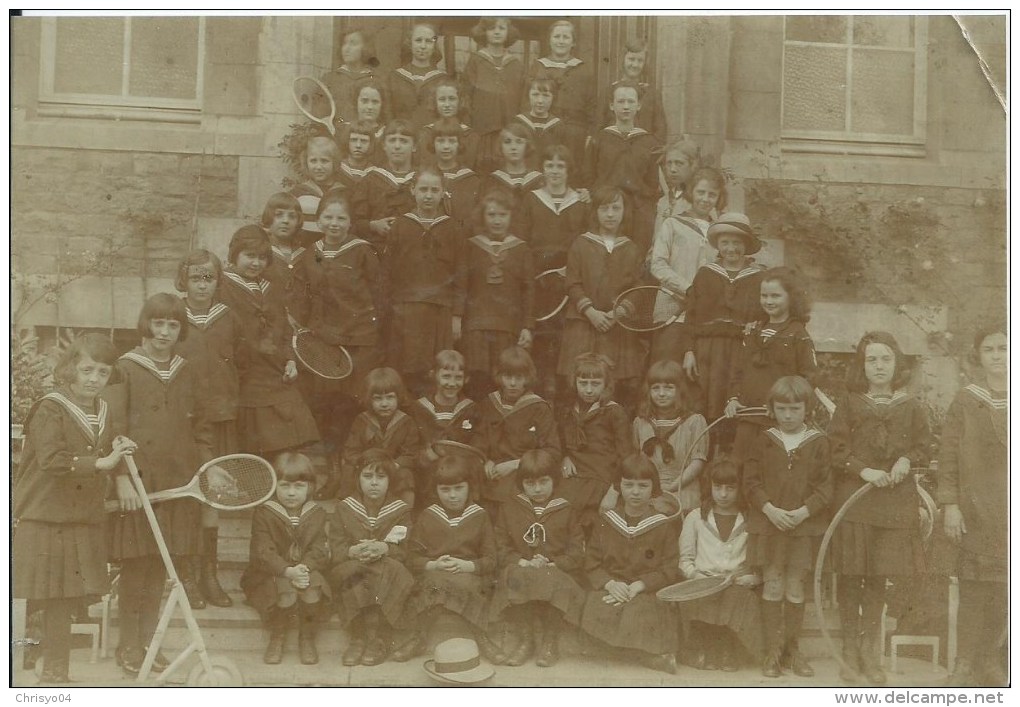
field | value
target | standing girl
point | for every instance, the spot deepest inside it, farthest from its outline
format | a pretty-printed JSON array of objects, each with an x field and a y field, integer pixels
[
  {"x": 596, "y": 439},
  {"x": 541, "y": 550},
  {"x": 515, "y": 146},
  {"x": 385, "y": 192},
  {"x": 513, "y": 420},
  {"x": 288, "y": 553},
  {"x": 601, "y": 265},
  {"x": 576, "y": 96},
  {"x": 213, "y": 345},
  {"x": 290, "y": 268},
  {"x": 167, "y": 418},
  {"x": 272, "y": 416},
  {"x": 446, "y": 109},
  {"x": 453, "y": 555},
  {"x": 462, "y": 183},
  {"x": 59, "y": 543},
  {"x": 633, "y": 554},
  {"x": 347, "y": 305},
  {"x": 671, "y": 434},
  {"x": 680, "y": 160},
  {"x": 320, "y": 161},
  {"x": 714, "y": 542},
  {"x": 357, "y": 52},
  {"x": 423, "y": 271},
  {"x": 370, "y": 581},
  {"x": 722, "y": 300},
  {"x": 635, "y": 59},
  {"x": 974, "y": 491},
  {"x": 546, "y": 127},
  {"x": 410, "y": 85},
  {"x": 878, "y": 434},
  {"x": 492, "y": 79},
  {"x": 499, "y": 290},
  {"x": 776, "y": 345},
  {"x": 788, "y": 486}
]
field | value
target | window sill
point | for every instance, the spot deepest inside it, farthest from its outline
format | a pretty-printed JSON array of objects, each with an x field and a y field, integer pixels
[
  {"x": 105, "y": 112},
  {"x": 793, "y": 145}
]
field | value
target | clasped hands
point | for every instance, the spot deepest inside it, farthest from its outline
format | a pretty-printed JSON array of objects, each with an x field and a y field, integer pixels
[
  {"x": 783, "y": 519},
  {"x": 299, "y": 575},
  {"x": 446, "y": 563},
  {"x": 619, "y": 593},
  {"x": 538, "y": 562},
  {"x": 368, "y": 550},
  {"x": 881, "y": 479}
]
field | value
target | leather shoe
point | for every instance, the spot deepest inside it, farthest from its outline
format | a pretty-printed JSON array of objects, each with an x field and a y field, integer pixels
[
  {"x": 376, "y": 651},
  {"x": 354, "y": 651},
  {"x": 548, "y": 653},
  {"x": 415, "y": 645},
  {"x": 664, "y": 663},
  {"x": 274, "y": 651},
  {"x": 770, "y": 668}
]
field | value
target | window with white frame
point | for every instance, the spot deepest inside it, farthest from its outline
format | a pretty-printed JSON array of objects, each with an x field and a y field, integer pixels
[
  {"x": 125, "y": 67},
  {"x": 855, "y": 83}
]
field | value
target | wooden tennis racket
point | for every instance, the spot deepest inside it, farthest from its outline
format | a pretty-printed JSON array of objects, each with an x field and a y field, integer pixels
[
  {"x": 325, "y": 360},
  {"x": 227, "y": 483},
  {"x": 314, "y": 100},
  {"x": 449, "y": 447},
  {"x": 550, "y": 293},
  {"x": 696, "y": 588},
  {"x": 648, "y": 308}
]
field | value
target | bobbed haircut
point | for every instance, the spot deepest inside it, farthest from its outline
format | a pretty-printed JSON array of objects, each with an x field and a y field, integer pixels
[
  {"x": 360, "y": 127},
  {"x": 294, "y": 466},
  {"x": 449, "y": 360},
  {"x": 163, "y": 306},
  {"x": 563, "y": 23},
  {"x": 626, "y": 83},
  {"x": 593, "y": 365},
  {"x": 536, "y": 463},
  {"x": 982, "y": 332},
  {"x": 200, "y": 256},
  {"x": 498, "y": 196},
  {"x": 457, "y": 469},
  {"x": 487, "y": 23},
  {"x": 368, "y": 55},
  {"x": 600, "y": 197},
  {"x": 855, "y": 378},
  {"x": 515, "y": 361},
  {"x": 445, "y": 82},
  {"x": 664, "y": 371},
  {"x": 98, "y": 347},
  {"x": 437, "y": 53},
  {"x": 635, "y": 45},
  {"x": 429, "y": 169},
  {"x": 638, "y": 467},
  {"x": 325, "y": 144},
  {"x": 333, "y": 197},
  {"x": 544, "y": 81},
  {"x": 380, "y": 381},
  {"x": 714, "y": 177},
  {"x": 558, "y": 152},
  {"x": 522, "y": 131},
  {"x": 721, "y": 471},
  {"x": 793, "y": 284},
  {"x": 379, "y": 461},
  {"x": 792, "y": 389},
  {"x": 399, "y": 126},
  {"x": 253, "y": 238},
  {"x": 444, "y": 130},
  {"x": 281, "y": 200},
  {"x": 373, "y": 83}
]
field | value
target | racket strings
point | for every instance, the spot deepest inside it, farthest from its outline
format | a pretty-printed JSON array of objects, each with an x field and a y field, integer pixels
[
  {"x": 646, "y": 308},
  {"x": 247, "y": 481},
  {"x": 550, "y": 293},
  {"x": 322, "y": 358},
  {"x": 312, "y": 98}
]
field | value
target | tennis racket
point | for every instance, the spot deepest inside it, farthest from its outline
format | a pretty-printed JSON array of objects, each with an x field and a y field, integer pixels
[
  {"x": 323, "y": 359},
  {"x": 648, "y": 308},
  {"x": 696, "y": 588},
  {"x": 227, "y": 483},
  {"x": 550, "y": 294},
  {"x": 448, "y": 447},
  {"x": 315, "y": 101}
]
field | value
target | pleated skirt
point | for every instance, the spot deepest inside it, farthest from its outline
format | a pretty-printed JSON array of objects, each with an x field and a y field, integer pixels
[
  {"x": 418, "y": 331},
  {"x": 644, "y": 623},
  {"x": 271, "y": 428},
  {"x": 463, "y": 594},
  {"x": 868, "y": 550},
  {"x": 520, "y": 585},
  {"x": 736, "y": 608},
  {"x": 179, "y": 520},
  {"x": 60, "y": 560},
  {"x": 385, "y": 583}
]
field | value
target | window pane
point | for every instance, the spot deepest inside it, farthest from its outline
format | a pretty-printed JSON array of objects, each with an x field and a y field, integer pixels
[
  {"x": 829, "y": 28},
  {"x": 164, "y": 57},
  {"x": 882, "y": 92},
  {"x": 814, "y": 88},
  {"x": 885, "y": 31},
  {"x": 89, "y": 55}
]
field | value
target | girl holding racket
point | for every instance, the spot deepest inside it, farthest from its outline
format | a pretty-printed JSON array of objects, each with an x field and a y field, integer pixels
[
  {"x": 272, "y": 416},
  {"x": 59, "y": 542},
  {"x": 878, "y": 433},
  {"x": 289, "y": 551},
  {"x": 168, "y": 418},
  {"x": 213, "y": 345},
  {"x": 632, "y": 554},
  {"x": 713, "y": 543},
  {"x": 290, "y": 267},
  {"x": 601, "y": 265},
  {"x": 346, "y": 310},
  {"x": 788, "y": 486}
]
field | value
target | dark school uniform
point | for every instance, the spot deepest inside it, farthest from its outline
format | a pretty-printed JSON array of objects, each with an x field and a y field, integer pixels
[
  {"x": 410, "y": 92},
  {"x": 469, "y": 536},
  {"x": 524, "y": 530},
  {"x": 59, "y": 540},
  {"x": 627, "y": 550},
  {"x": 575, "y": 94},
  {"x": 309, "y": 194},
  {"x": 549, "y": 131},
  {"x": 787, "y": 480},
  {"x": 651, "y": 117},
  {"x": 456, "y": 423},
  {"x": 517, "y": 184},
  {"x": 278, "y": 541},
  {"x": 596, "y": 275},
  {"x": 272, "y": 415},
  {"x": 399, "y": 437},
  {"x": 461, "y": 197},
  {"x": 492, "y": 89},
  {"x": 380, "y": 194},
  {"x": 386, "y": 582},
  {"x": 166, "y": 418},
  {"x": 506, "y": 432},
  {"x": 596, "y": 440},
  {"x": 350, "y": 177},
  {"x": 292, "y": 274},
  {"x": 423, "y": 263},
  {"x": 343, "y": 84},
  {"x": 468, "y": 141}
]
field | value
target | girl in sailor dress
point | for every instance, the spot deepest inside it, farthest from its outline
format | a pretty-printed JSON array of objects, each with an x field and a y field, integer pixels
[
  {"x": 370, "y": 581},
  {"x": 973, "y": 488},
  {"x": 460, "y": 199},
  {"x": 498, "y": 297},
  {"x": 383, "y": 425},
  {"x": 635, "y": 60},
  {"x": 385, "y": 191},
  {"x": 348, "y": 300},
  {"x": 453, "y": 557},
  {"x": 59, "y": 542},
  {"x": 541, "y": 551},
  {"x": 631, "y": 555},
  {"x": 575, "y": 78},
  {"x": 546, "y": 127},
  {"x": 357, "y": 52},
  {"x": 423, "y": 265},
  {"x": 447, "y": 107},
  {"x": 168, "y": 420},
  {"x": 213, "y": 345},
  {"x": 512, "y": 421},
  {"x": 515, "y": 145},
  {"x": 410, "y": 86},
  {"x": 290, "y": 267},
  {"x": 272, "y": 416},
  {"x": 320, "y": 162},
  {"x": 878, "y": 433}
]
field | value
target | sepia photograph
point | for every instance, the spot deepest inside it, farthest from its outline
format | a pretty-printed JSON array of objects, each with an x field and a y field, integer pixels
[{"x": 538, "y": 350}]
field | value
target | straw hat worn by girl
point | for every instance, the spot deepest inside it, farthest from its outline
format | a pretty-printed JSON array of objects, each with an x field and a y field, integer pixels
[
  {"x": 456, "y": 661},
  {"x": 738, "y": 223}
]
